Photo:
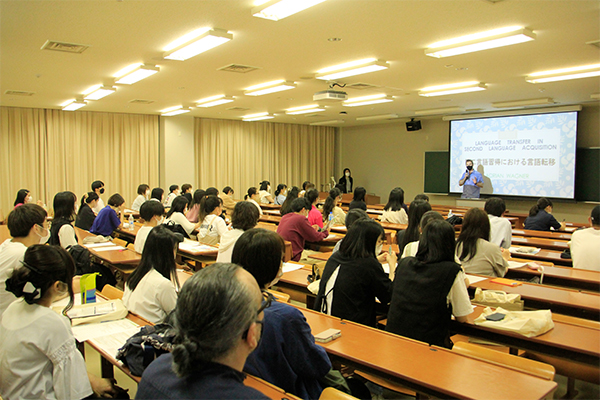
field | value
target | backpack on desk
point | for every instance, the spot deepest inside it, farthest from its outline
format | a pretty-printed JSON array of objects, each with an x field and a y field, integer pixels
[{"x": 145, "y": 346}]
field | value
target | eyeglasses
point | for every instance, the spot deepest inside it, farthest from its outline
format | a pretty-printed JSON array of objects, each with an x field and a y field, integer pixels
[{"x": 266, "y": 303}]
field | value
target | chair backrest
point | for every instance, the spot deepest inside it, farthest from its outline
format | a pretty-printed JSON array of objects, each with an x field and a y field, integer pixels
[
  {"x": 120, "y": 242},
  {"x": 111, "y": 292},
  {"x": 536, "y": 368},
  {"x": 282, "y": 297},
  {"x": 330, "y": 393}
]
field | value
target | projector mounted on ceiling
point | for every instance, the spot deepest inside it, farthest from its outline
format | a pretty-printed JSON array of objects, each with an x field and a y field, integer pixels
[{"x": 330, "y": 95}]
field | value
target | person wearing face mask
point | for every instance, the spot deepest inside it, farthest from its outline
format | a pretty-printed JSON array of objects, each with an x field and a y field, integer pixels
[
  {"x": 541, "y": 219},
  {"x": 28, "y": 226},
  {"x": 98, "y": 188},
  {"x": 85, "y": 216},
  {"x": 62, "y": 232},
  {"x": 471, "y": 181},
  {"x": 143, "y": 195},
  {"x": 346, "y": 182},
  {"x": 287, "y": 356},
  {"x": 265, "y": 193},
  {"x": 24, "y": 197},
  {"x": 173, "y": 192},
  {"x": 152, "y": 212},
  {"x": 280, "y": 193}
]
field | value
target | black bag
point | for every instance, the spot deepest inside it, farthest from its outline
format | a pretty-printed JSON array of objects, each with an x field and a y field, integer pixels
[
  {"x": 455, "y": 220},
  {"x": 85, "y": 265},
  {"x": 176, "y": 228},
  {"x": 145, "y": 346}
]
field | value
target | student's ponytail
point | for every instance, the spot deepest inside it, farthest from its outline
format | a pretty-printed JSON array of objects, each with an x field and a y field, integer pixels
[{"x": 542, "y": 203}]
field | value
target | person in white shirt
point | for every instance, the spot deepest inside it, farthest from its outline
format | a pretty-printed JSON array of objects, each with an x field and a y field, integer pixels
[
  {"x": 38, "y": 355},
  {"x": 394, "y": 211},
  {"x": 153, "y": 214},
  {"x": 410, "y": 250},
  {"x": 98, "y": 188},
  {"x": 500, "y": 228},
  {"x": 245, "y": 216},
  {"x": 280, "y": 193},
  {"x": 265, "y": 193},
  {"x": 151, "y": 289},
  {"x": 62, "y": 232},
  {"x": 28, "y": 226},
  {"x": 143, "y": 195},
  {"x": 177, "y": 215},
  {"x": 212, "y": 226},
  {"x": 173, "y": 193},
  {"x": 585, "y": 244},
  {"x": 253, "y": 198}
]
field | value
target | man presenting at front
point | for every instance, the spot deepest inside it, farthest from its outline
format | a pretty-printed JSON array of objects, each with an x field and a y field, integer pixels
[{"x": 471, "y": 181}]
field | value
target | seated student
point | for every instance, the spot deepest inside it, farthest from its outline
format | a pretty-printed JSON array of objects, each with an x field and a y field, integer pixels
[
  {"x": 108, "y": 220},
  {"x": 28, "y": 226},
  {"x": 244, "y": 217},
  {"x": 194, "y": 206},
  {"x": 353, "y": 277},
  {"x": 186, "y": 190},
  {"x": 38, "y": 355},
  {"x": 473, "y": 249},
  {"x": 359, "y": 199},
  {"x": 219, "y": 320},
  {"x": 541, "y": 219},
  {"x": 253, "y": 197},
  {"x": 294, "y": 227},
  {"x": 500, "y": 228},
  {"x": 411, "y": 233},
  {"x": 265, "y": 193},
  {"x": 353, "y": 216},
  {"x": 157, "y": 195},
  {"x": 62, "y": 232},
  {"x": 410, "y": 250},
  {"x": 213, "y": 191},
  {"x": 228, "y": 202},
  {"x": 314, "y": 215},
  {"x": 288, "y": 356},
  {"x": 292, "y": 195},
  {"x": 422, "y": 196},
  {"x": 173, "y": 192},
  {"x": 151, "y": 289},
  {"x": 306, "y": 186},
  {"x": 24, "y": 197},
  {"x": 212, "y": 226},
  {"x": 177, "y": 215},
  {"x": 280, "y": 193},
  {"x": 153, "y": 214},
  {"x": 98, "y": 188},
  {"x": 429, "y": 289},
  {"x": 143, "y": 195},
  {"x": 585, "y": 244},
  {"x": 332, "y": 206},
  {"x": 394, "y": 210},
  {"x": 86, "y": 216}
]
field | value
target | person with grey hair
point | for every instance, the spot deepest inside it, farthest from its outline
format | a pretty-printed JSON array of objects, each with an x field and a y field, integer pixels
[{"x": 219, "y": 318}]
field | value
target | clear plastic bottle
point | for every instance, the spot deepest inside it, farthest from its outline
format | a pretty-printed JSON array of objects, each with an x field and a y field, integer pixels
[
  {"x": 130, "y": 222},
  {"x": 450, "y": 213}
]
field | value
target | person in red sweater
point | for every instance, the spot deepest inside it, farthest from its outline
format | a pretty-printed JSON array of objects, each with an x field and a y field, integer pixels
[{"x": 294, "y": 227}]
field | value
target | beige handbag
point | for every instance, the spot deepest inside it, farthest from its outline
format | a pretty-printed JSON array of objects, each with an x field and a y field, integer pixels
[
  {"x": 526, "y": 323},
  {"x": 498, "y": 298}
]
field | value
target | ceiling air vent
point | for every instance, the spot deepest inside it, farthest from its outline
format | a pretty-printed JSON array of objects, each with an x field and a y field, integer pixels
[
  {"x": 360, "y": 86},
  {"x": 239, "y": 68},
  {"x": 141, "y": 101},
  {"x": 237, "y": 109},
  {"x": 19, "y": 93},
  {"x": 63, "y": 46}
]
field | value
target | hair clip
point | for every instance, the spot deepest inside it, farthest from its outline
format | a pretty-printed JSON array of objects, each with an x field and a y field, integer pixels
[{"x": 31, "y": 268}]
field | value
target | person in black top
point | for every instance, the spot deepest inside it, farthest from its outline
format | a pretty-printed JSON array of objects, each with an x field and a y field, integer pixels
[
  {"x": 345, "y": 183},
  {"x": 218, "y": 320},
  {"x": 541, "y": 218},
  {"x": 353, "y": 277},
  {"x": 359, "y": 199},
  {"x": 429, "y": 288},
  {"x": 86, "y": 216},
  {"x": 411, "y": 233}
]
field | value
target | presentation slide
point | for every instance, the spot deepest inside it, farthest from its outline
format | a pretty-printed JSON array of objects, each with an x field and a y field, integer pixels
[{"x": 525, "y": 155}]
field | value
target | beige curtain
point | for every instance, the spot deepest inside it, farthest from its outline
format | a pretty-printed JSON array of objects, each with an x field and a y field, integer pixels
[
  {"x": 241, "y": 154},
  {"x": 48, "y": 151}
]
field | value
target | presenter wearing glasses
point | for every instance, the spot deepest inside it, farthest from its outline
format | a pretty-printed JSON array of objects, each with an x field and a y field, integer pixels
[{"x": 471, "y": 181}]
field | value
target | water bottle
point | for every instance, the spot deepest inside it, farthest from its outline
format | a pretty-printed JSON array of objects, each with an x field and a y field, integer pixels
[
  {"x": 330, "y": 218},
  {"x": 130, "y": 222},
  {"x": 449, "y": 213}
]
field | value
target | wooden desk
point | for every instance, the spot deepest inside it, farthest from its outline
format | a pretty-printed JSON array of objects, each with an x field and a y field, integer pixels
[
  {"x": 425, "y": 369},
  {"x": 543, "y": 234},
  {"x": 552, "y": 256},
  {"x": 543, "y": 243},
  {"x": 124, "y": 260},
  {"x": 269, "y": 390},
  {"x": 270, "y": 206},
  {"x": 560, "y": 276},
  {"x": 270, "y": 218},
  {"x": 295, "y": 284}
]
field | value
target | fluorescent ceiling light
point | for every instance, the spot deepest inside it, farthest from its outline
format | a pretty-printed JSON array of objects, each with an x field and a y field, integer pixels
[
  {"x": 585, "y": 71},
  {"x": 214, "y": 101},
  {"x": 97, "y": 92},
  {"x": 437, "y": 111},
  {"x": 135, "y": 73},
  {"x": 454, "y": 88},
  {"x": 279, "y": 9},
  {"x": 377, "y": 117},
  {"x": 522, "y": 103},
  {"x": 169, "y": 112},
  {"x": 332, "y": 122},
  {"x": 351, "y": 68},
  {"x": 257, "y": 117},
  {"x": 198, "y": 42},
  {"x": 73, "y": 105},
  {"x": 366, "y": 100},
  {"x": 269, "y": 87},
  {"x": 480, "y": 41},
  {"x": 304, "y": 109}
]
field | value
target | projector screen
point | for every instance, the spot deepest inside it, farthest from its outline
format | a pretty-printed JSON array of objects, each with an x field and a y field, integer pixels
[{"x": 525, "y": 155}]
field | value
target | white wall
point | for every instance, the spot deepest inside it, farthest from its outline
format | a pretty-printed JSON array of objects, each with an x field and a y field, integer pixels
[{"x": 177, "y": 151}]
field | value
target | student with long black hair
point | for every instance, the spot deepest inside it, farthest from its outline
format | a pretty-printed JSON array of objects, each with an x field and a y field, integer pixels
[
  {"x": 38, "y": 355},
  {"x": 157, "y": 194},
  {"x": 194, "y": 206},
  {"x": 415, "y": 213},
  {"x": 177, "y": 215},
  {"x": 331, "y": 206},
  {"x": 62, "y": 232},
  {"x": 541, "y": 219},
  {"x": 292, "y": 195},
  {"x": 314, "y": 215},
  {"x": 359, "y": 199},
  {"x": 212, "y": 226},
  {"x": 86, "y": 216},
  {"x": 395, "y": 209},
  {"x": 264, "y": 193},
  {"x": 24, "y": 197},
  {"x": 151, "y": 289},
  {"x": 280, "y": 193}
]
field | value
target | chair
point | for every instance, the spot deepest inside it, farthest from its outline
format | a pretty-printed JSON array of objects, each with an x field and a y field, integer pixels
[
  {"x": 120, "y": 242},
  {"x": 111, "y": 292},
  {"x": 330, "y": 393},
  {"x": 281, "y": 297}
]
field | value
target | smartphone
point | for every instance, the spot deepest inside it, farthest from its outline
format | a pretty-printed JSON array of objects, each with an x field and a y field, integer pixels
[{"x": 495, "y": 317}]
